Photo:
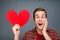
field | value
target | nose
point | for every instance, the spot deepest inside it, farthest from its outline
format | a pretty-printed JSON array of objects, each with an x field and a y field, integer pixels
[{"x": 40, "y": 19}]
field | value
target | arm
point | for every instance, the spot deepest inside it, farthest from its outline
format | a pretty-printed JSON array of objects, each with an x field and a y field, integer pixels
[
  {"x": 46, "y": 36},
  {"x": 16, "y": 37},
  {"x": 16, "y": 31}
]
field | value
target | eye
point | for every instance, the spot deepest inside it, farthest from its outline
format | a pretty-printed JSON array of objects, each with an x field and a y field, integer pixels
[
  {"x": 36, "y": 17},
  {"x": 43, "y": 16}
]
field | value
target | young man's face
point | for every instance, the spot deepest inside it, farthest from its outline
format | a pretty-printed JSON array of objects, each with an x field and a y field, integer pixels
[{"x": 40, "y": 17}]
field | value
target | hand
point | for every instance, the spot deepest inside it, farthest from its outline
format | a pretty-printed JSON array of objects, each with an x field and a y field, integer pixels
[
  {"x": 16, "y": 29},
  {"x": 46, "y": 36},
  {"x": 45, "y": 26}
]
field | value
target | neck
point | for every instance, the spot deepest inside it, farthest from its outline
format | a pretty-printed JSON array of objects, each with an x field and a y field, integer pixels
[{"x": 39, "y": 31}]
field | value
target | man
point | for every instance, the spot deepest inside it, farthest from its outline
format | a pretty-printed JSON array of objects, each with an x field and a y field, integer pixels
[{"x": 41, "y": 31}]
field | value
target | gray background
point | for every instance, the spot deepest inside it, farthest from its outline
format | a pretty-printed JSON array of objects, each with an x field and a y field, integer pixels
[{"x": 52, "y": 7}]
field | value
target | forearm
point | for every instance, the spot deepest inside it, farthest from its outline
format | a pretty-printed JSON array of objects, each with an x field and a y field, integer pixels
[
  {"x": 46, "y": 36},
  {"x": 16, "y": 37}
]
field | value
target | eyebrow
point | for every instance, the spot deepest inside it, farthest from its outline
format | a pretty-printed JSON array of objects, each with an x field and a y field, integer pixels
[
  {"x": 43, "y": 14},
  {"x": 36, "y": 15}
]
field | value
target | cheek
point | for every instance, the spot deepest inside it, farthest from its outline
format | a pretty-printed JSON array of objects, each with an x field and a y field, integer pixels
[
  {"x": 35, "y": 20},
  {"x": 44, "y": 20}
]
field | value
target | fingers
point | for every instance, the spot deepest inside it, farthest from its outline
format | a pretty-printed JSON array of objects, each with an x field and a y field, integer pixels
[
  {"x": 45, "y": 25},
  {"x": 16, "y": 27}
]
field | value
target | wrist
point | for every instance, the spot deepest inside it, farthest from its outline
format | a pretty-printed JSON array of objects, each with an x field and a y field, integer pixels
[
  {"x": 46, "y": 36},
  {"x": 16, "y": 35},
  {"x": 43, "y": 31}
]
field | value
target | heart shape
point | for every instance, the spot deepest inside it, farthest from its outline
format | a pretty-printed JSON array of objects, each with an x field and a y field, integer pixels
[{"x": 20, "y": 19}]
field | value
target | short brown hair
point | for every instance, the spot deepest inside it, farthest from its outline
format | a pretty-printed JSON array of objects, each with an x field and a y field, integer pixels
[{"x": 39, "y": 9}]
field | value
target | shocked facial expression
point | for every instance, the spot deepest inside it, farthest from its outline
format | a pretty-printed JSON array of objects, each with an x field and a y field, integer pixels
[{"x": 40, "y": 17}]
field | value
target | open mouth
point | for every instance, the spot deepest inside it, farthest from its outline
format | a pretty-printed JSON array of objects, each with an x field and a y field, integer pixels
[{"x": 40, "y": 24}]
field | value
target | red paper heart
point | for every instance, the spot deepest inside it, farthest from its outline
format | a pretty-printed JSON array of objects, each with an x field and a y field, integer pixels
[{"x": 20, "y": 19}]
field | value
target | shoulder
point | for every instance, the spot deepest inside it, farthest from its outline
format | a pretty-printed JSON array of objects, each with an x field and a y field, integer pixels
[
  {"x": 52, "y": 31},
  {"x": 29, "y": 35},
  {"x": 53, "y": 34},
  {"x": 30, "y": 32}
]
